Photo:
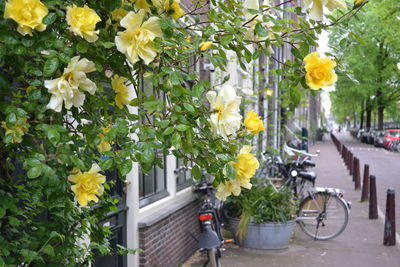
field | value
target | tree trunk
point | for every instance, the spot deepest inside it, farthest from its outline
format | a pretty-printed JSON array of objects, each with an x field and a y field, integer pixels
[
  {"x": 368, "y": 118},
  {"x": 361, "y": 119},
  {"x": 380, "y": 117}
]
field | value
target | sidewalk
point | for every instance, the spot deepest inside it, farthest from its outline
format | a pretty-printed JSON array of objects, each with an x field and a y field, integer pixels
[{"x": 359, "y": 245}]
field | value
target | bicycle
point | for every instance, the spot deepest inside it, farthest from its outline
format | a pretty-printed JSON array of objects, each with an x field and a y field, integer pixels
[
  {"x": 210, "y": 211},
  {"x": 323, "y": 213}
]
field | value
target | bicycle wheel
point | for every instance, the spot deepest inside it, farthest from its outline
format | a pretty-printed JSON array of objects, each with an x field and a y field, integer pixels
[
  {"x": 320, "y": 223},
  {"x": 214, "y": 258}
]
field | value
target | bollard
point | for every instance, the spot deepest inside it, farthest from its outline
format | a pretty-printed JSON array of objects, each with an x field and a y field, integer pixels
[
  {"x": 346, "y": 158},
  {"x": 389, "y": 236},
  {"x": 365, "y": 185},
  {"x": 373, "y": 205},
  {"x": 357, "y": 183},
  {"x": 351, "y": 163}
]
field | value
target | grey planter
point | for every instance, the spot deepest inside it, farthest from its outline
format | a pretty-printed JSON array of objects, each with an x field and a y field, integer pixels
[{"x": 264, "y": 235}]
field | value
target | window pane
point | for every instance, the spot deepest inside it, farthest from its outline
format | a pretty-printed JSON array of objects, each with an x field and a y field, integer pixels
[{"x": 149, "y": 182}]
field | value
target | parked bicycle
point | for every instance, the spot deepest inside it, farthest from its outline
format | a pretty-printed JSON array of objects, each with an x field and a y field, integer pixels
[
  {"x": 210, "y": 239},
  {"x": 323, "y": 213}
]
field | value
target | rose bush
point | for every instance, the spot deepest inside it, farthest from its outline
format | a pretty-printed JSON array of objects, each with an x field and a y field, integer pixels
[{"x": 72, "y": 70}]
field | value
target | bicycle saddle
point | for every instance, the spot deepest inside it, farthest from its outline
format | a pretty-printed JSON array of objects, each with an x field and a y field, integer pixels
[{"x": 310, "y": 176}]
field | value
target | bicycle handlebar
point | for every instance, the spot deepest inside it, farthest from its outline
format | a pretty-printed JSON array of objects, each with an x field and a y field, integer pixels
[{"x": 302, "y": 152}]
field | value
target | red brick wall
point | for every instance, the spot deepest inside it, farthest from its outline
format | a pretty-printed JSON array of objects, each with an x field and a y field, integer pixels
[{"x": 168, "y": 242}]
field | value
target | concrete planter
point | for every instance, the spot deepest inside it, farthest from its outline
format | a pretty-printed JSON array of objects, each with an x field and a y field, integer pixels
[{"x": 264, "y": 235}]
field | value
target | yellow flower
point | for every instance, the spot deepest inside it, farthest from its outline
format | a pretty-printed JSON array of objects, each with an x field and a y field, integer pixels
[
  {"x": 141, "y": 4},
  {"x": 228, "y": 188},
  {"x": 104, "y": 144},
  {"x": 20, "y": 129},
  {"x": 119, "y": 14},
  {"x": 176, "y": 7},
  {"x": 88, "y": 185},
  {"x": 68, "y": 87},
  {"x": 28, "y": 14},
  {"x": 253, "y": 122},
  {"x": 245, "y": 166},
  {"x": 226, "y": 120},
  {"x": 121, "y": 90},
  {"x": 137, "y": 40},
  {"x": 319, "y": 71},
  {"x": 205, "y": 45},
  {"x": 82, "y": 22},
  {"x": 316, "y": 11},
  {"x": 359, "y": 2}
]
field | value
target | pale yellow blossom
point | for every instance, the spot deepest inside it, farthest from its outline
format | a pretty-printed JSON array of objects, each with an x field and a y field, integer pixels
[
  {"x": 317, "y": 8},
  {"x": 68, "y": 88},
  {"x": 205, "y": 45},
  {"x": 228, "y": 188},
  {"x": 20, "y": 129},
  {"x": 137, "y": 41},
  {"x": 226, "y": 119},
  {"x": 245, "y": 166},
  {"x": 104, "y": 145}
]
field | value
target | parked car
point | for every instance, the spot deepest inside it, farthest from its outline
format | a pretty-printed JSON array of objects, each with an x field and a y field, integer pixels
[
  {"x": 378, "y": 138},
  {"x": 370, "y": 136},
  {"x": 363, "y": 136},
  {"x": 390, "y": 136},
  {"x": 360, "y": 133}
]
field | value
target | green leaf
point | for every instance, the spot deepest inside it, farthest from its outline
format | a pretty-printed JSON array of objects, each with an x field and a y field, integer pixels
[
  {"x": 261, "y": 30},
  {"x": 34, "y": 172},
  {"x": 11, "y": 119},
  {"x": 107, "y": 164},
  {"x": 50, "y": 18},
  {"x": 54, "y": 136},
  {"x": 112, "y": 4},
  {"x": 49, "y": 250},
  {"x": 176, "y": 140},
  {"x": 182, "y": 127},
  {"x": 50, "y": 66},
  {"x": 230, "y": 171},
  {"x": 82, "y": 47},
  {"x": 2, "y": 212},
  {"x": 8, "y": 38},
  {"x": 125, "y": 167},
  {"x": 78, "y": 162},
  {"x": 147, "y": 156},
  {"x": 189, "y": 107},
  {"x": 168, "y": 131},
  {"x": 196, "y": 172}
]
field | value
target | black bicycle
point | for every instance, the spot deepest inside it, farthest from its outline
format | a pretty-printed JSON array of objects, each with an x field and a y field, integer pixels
[{"x": 210, "y": 238}]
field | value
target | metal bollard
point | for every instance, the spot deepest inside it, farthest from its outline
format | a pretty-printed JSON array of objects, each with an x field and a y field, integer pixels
[
  {"x": 365, "y": 185},
  {"x": 351, "y": 163},
  {"x": 357, "y": 183},
  {"x": 373, "y": 203},
  {"x": 389, "y": 236},
  {"x": 354, "y": 168}
]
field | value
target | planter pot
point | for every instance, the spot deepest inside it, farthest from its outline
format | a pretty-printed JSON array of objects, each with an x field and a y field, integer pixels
[{"x": 264, "y": 235}]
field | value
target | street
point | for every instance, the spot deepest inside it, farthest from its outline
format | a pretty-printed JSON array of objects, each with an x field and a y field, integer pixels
[{"x": 385, "y": 165}]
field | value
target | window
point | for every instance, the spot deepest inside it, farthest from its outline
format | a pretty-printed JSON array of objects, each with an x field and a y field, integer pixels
[
  {"x": 152, "y": 185},
  {"x": 183, "y": 178}
]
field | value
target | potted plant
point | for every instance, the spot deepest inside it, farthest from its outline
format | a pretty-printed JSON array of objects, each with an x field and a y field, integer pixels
[{"x": 261, "y": 217}]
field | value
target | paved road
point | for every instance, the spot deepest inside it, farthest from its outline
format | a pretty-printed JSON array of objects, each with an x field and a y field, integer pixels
[{"x": 385, "y": 165}]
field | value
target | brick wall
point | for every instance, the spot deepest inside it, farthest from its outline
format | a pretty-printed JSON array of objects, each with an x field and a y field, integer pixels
[{"x": 168, "y": 242}]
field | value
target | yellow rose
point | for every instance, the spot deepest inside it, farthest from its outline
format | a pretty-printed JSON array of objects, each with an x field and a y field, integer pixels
[
  {"x": 205, "y": 45},
  {"x": 245, "y": 166},
  {"x": 88, "y": 185},
  {"x": 253, "y": 122},
  {"x": 226, "y": 119},
  {"x": 359, "y": 2},
  {"x": 121, "y": 90},
  {"x": 320, "y": 71},
  {"x": 82, "y": 22},
  {"x": 119, "y": 14},
  {"x": 20, "y": 129},
  {"x": 137, "y": 41},
  {"x": 141, "y": 4},
  {"x": 104, "y": 144},
  {"x": 68, "y": 88},
  {"x": 28, "y": 14},
  {"x": 178, "y": 11},
  {"x": 228, "y": 188},
  {"x": 316, "y": 11}
]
